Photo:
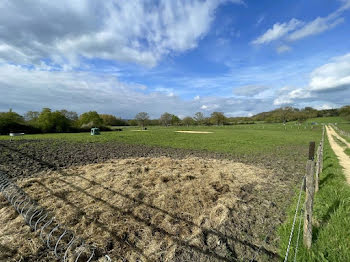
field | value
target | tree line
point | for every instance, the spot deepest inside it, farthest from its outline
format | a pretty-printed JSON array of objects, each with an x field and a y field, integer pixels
[
  {"x": 48, "y": 121},
  {"x": 59, "y": 121}
]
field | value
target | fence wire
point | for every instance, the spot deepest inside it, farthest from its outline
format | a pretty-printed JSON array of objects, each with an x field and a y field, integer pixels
[
  {"x": 295, "y": 217},
  {"x": 62, "y": 241}
]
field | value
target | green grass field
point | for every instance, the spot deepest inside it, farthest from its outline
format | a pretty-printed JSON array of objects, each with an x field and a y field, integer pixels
[
  {"x": 331, "y": 221},
  {"x": 240, "y": 139},
  {"x": 344, "y": 126},
  {"x": 327, "y": 120}
]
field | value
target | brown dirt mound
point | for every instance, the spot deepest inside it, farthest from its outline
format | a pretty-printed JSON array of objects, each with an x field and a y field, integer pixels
[{"x": 154, "y": 209}]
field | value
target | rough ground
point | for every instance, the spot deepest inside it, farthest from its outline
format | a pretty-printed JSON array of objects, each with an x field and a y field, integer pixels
[
  {"x": 344, "y": 159},
  {"x": 226, "y": 223}
]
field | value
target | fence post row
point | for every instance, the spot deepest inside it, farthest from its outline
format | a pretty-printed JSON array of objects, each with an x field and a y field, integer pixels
[
  {"x": 309, "y": 198},
  {"x": 311, "y": 185}
]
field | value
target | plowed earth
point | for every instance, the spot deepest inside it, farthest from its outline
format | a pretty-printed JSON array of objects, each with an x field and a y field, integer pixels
[{"x": 138, "y": 203}]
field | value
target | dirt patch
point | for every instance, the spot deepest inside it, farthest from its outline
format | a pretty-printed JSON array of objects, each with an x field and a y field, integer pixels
[
  {"x": 154, "y": 209},
  {"x": 257, "y": 208},
  {"x": 194, "y": 132}
]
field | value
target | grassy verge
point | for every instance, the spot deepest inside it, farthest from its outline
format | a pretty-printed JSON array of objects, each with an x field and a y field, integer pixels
[
  {"x": 344, "y": 126},
  {"x": 339, "y": 142},
  {"x": 331, "y": 217},
  {"x": 326, "y": 120},
  {"x": 347, "y": 151}
]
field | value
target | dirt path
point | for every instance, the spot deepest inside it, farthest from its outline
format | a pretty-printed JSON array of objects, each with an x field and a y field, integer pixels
[{"x": 344, "y": 159}]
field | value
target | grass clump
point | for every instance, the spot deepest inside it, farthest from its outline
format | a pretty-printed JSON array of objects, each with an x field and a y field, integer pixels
[
  {"x": 339, "y": 142},
  {"x": 331, "y": 223}
]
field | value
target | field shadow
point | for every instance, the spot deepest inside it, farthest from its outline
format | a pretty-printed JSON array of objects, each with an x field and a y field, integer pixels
[
  {"x": 326, "y": 178},
  {"x": 123, "y": 240},
  {"x": 325, "y": 218},
  {"x": 6, "y": 252}
]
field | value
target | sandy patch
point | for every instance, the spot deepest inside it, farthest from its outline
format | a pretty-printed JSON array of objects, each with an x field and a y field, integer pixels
[
  {"x": 344, "y": 159},
  {"x": 142, "y": 209},
  {"x": 194, "y": 132}
]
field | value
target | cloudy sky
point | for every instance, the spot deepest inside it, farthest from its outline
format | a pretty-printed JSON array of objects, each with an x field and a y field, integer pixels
[{"x": 121, "y": 57}]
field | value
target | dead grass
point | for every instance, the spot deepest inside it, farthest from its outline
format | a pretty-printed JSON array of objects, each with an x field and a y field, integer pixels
[{"x": 141, "y": 209}]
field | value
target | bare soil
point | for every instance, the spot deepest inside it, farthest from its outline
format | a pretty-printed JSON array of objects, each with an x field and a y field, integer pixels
[{"x": 140, "y": 203}]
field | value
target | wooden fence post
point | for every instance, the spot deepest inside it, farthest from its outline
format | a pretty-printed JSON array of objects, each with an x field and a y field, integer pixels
[
  {"x": 309, "y": 178},
  {"x": 322, "y": 146},
  {"x": 318, "y": 167}
]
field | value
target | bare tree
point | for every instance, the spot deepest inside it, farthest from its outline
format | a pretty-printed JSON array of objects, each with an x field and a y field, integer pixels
[
  {"x": 142, "y": 118},
  {"x": 166, "y": 118},
  {"x": 31, "y": 116},
  {"x": 71, "y": 115},
  {"x": 199, "y": 117}
]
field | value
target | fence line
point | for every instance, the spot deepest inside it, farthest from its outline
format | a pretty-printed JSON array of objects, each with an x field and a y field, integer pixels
[
  {"x": 298, "y": 237},
  {"x": 62, "y": 241},
  {"x": 295, "y": 217},
  {"x": 310, "y": 188}
]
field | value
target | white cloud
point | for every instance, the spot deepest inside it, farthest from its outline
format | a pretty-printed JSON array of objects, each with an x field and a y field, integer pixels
[
  {"x": 296, "y": 29},
  {"x": 140, "y": 31},
  {"x": 329, "y": 83},
  {"x": 196, "y": 98},
  {"x": 315, "y": 27},
  {"x": 84, "y": 91},
  {"x": 277, "y": 31},
  {"x": 326, "y": 106},
  {"x": 260, "y": 20},
  {"x": 210, "y": 107},
  {"x": 289, "y": 95},
  {"x": 283, "y": 48},
  {"x": 333, "y": 75}
]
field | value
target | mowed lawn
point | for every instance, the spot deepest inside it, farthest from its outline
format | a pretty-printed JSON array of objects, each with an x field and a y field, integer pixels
[{"x": 238, "y": 139}]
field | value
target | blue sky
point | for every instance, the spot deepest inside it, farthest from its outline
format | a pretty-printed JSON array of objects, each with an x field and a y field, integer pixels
[{"x": 239, "y": 57}]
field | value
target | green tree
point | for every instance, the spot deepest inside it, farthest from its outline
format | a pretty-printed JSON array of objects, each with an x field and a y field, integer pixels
[
  {"x": 90, "y": 119},
  {"x": 175, "y": 120},
  {"x": 109, "y": 120},
  {"x": 187, "y": 121},
  {"x": 345, "y": 112},
  {"x": 218, "y": 118},
  {"x": 49, "y": 121},
  {"x": 10, "y": 122},
  {"x": 132, "y": 122}
]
